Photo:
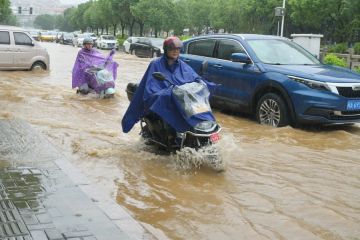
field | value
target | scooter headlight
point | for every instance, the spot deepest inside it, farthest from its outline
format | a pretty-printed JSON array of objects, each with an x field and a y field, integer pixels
[{"x": 311, "y": 83}]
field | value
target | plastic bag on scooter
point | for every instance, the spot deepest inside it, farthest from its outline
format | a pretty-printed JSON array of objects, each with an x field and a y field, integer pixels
[
  {"x": 192, "y": 98},
  {"x": 103, "y": 76}
]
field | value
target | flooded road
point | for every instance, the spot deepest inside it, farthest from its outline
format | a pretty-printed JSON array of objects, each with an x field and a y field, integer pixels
[{"x": 281, "y": 183}]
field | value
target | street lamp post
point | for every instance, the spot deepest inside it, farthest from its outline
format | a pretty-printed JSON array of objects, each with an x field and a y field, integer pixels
[{"x": 283, "y": 19}]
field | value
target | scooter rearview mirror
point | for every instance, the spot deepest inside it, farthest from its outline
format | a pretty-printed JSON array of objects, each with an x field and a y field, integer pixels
[{"x": 158, "y": 76}]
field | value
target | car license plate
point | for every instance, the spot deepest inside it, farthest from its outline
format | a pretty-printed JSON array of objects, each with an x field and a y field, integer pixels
[
  {"x": 215, "y": 137},
  {"x": 353, "y": 105}
]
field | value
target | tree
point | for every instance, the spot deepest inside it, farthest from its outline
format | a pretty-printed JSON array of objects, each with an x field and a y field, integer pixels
[
  {"x": 65, "y": 22},
  {"x": 6, "y": 16},
  {"x": 337, "y": 20},
  {"x": 199, "y": 15},
  {"x": 45, "y": 21},
  {"x": 125, "y": 15}
]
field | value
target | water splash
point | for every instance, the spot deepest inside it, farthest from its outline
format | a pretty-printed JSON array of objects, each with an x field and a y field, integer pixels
[{"x": 189, "y": 158}]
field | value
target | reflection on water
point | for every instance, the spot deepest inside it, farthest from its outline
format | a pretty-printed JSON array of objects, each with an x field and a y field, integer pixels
[{"x": 279, "y": 184}]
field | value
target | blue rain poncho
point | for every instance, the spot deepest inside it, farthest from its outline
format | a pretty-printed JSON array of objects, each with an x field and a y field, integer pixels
[{"x": 157, "y": 96}]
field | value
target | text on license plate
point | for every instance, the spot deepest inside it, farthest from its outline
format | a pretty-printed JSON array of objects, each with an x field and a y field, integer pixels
[
  {"x": 215, "y": 137},
  {"x": 353, "y": 105}
]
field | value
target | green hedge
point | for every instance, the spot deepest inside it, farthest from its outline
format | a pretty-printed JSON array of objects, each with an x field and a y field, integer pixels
[
  {"x": 357, "y": 48},
  {"x": 121, "y": 40},
  {"x": 184, "y": 37},
  {"x": 332, "y": 59},
  {"x": 338, "y": 48},
  {"x": 357, "y": 69}
]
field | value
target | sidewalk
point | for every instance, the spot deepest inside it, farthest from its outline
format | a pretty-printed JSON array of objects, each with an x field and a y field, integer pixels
[{"x": 43, "y": 197}]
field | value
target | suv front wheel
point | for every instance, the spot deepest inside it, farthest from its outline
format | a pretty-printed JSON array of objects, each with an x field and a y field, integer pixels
[{"x": 271, "y": 110}]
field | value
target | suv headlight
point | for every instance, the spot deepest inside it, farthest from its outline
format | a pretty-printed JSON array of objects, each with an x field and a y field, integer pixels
[{"x": 311, "y": 83}]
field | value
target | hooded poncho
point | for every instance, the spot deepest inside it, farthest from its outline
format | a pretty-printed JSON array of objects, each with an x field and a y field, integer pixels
[
  {"x": 156, "y": 96},
  {"x": 91, "y": 58}
]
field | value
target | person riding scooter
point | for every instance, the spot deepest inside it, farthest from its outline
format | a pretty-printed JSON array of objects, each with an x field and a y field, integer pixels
[
  {"x": 94, "y": 71},
  {"x": 155, "y": 97}
]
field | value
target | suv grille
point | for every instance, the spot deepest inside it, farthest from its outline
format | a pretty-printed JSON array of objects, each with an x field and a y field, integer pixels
[{"x": 348, "y": 92}]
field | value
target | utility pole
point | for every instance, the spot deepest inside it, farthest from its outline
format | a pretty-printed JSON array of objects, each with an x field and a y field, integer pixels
[{"x": 283, "y": 19}]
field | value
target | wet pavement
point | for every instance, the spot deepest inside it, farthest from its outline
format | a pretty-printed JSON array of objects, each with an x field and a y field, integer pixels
[
  {"x": 42, "y": 196},
  {"x": 285, "y": 183}
]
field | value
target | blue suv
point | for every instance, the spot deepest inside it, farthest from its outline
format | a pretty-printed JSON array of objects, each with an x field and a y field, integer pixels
[{"x": 274, "y": 79}]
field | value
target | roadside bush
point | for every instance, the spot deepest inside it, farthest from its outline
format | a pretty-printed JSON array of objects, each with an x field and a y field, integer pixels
[
  {"x": 357, "y": 69},
  {"x": 357, "y": 48},
  {"x": 184, "y": 37},
  {"x": 121, "y": 40},
  {"x": 332, "y": 59},
  {"x": 338, "y": 48}
]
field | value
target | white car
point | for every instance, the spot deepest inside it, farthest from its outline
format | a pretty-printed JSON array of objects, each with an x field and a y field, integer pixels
[
  {"x": 79, "y": 38},
  {"x": 107, "y": 42},
  {"x": 18, "y": 50},
  {"x": 92, "y": 36},
  {"x": 128, "y": 42}
]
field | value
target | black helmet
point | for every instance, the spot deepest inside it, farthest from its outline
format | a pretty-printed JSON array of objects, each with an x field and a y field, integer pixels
[
  {"x": 171, "y": 43},
  {"x": 88, "y": 40}
]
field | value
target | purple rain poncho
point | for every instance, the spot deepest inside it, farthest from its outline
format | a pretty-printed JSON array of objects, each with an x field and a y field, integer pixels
[{"x": 87, "y": 59}]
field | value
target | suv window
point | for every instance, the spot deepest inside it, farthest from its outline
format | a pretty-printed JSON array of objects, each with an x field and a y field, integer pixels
[
  {"x": 228, "y": 47},
  {"x": 4, "y": 38},
  {"x": 22, "y": 39},
  {"x": 202, "y": 47}
]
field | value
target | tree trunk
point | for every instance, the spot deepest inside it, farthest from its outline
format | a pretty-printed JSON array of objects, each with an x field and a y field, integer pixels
[
  {"x": 115, "y": 27},
  {"x": 131, "y": 27},
  {"x": 141, "y": 26}
]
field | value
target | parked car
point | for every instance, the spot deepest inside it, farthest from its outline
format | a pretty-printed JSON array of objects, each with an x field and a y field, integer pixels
[
  {"x": 128, "y": 42},
  {"x": 78, "y": 40},
  {"x": 66, "y": 38},
  {"x": 92, "y": 36},
  {"x": 147, "y": 47},
  {"x": 58, "y": 36},
  {"x": 275, "y": 79},
  {"x": 107, "y": 42},
  {"x": 35, "y": 35},
  {"x": 18, "y": 50},
  {"x": 47, "y": 36}
]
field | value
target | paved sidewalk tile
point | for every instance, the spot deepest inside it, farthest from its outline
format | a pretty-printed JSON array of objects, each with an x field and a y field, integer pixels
[{"x": 41, "y": 196}]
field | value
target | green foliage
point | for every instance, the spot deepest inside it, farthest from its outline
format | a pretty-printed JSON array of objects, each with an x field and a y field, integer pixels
[
  {"x": 332, "y": 59},
  {"x": 357, "y": 48},
  {"x": 357, "y": 69},
  {"x": 337, "y": 20},
  {"x": 6, "y": 16},
  {"x": 45, "y": 21},
  {"x": 338, "y": 48},
  {"x": 184, "y": 37},
  {"x": 121, "y": 40}
]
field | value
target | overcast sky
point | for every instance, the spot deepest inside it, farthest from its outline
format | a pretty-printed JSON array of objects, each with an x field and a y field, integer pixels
[{"x": 72, "y": 1}]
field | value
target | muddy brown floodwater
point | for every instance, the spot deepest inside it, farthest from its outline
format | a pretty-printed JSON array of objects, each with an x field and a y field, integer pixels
[{"x": 281, "y": 183}]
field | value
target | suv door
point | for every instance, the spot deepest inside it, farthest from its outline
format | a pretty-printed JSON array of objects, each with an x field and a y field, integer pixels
[
  {"x": 6, "y": 55},
  {"x": 24, "y": 50},
  {"x": 236, "y": 78}
]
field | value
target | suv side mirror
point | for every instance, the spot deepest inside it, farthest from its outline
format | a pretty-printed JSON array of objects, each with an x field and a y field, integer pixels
[{"x": 240, "y": 57}]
